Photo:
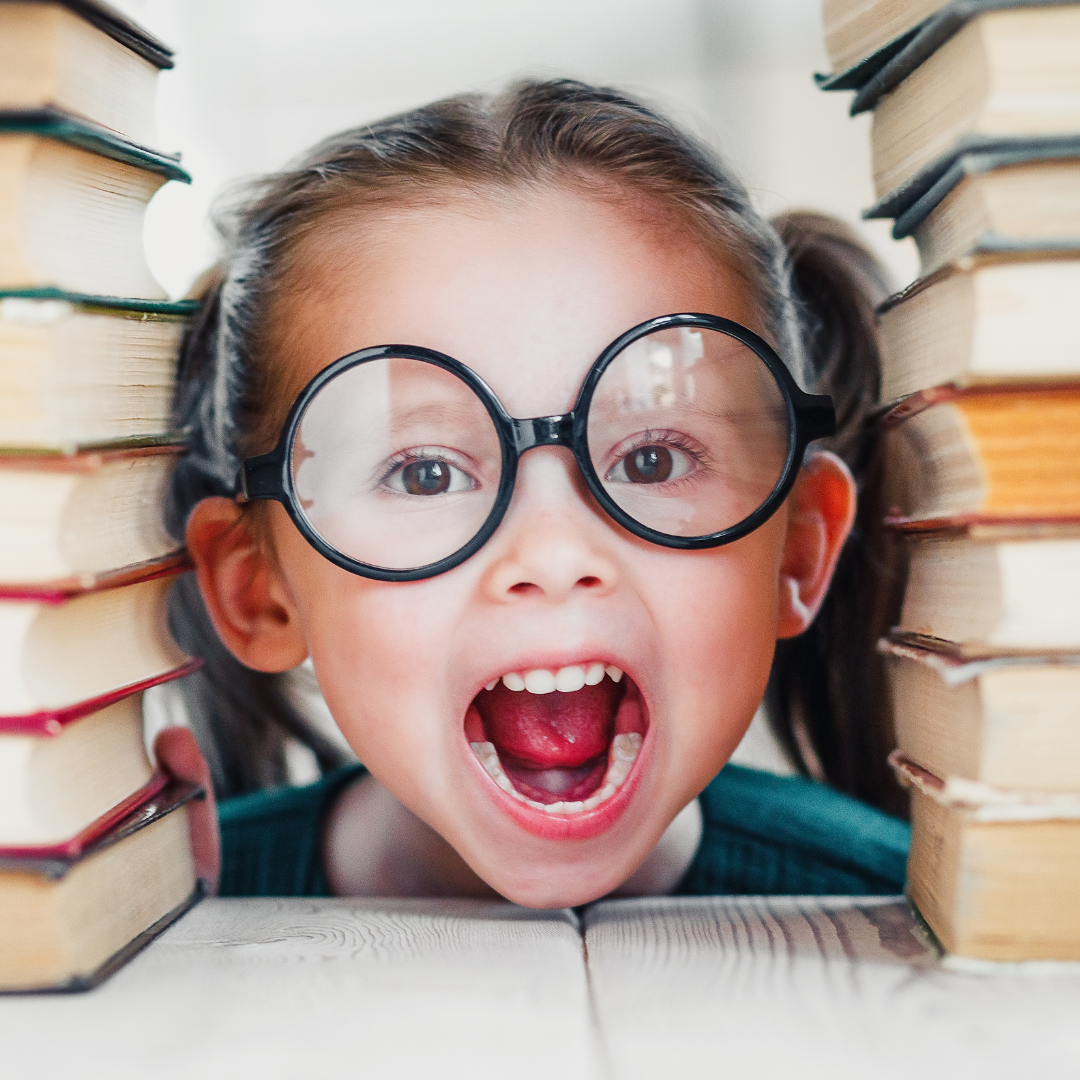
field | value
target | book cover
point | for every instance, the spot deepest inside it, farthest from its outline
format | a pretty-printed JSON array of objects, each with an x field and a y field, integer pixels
[
  {"x": 60, "y": 591},
  {"x": 860, "y": 73},
  {"x": 51, "y": 721},
  {"x": 68, "y": 851},
  {"x": 54, "y": 124},
  {"x": 160, "y": 797},
  {"x": 904, "y": 198},
  {"x": 985, "y": 803},
  {"x": 955, "y": 666},
  {"x": 107, "y": 304},
  {"x": 921, "y": 43},
  {"x": 976, "y": 163}
]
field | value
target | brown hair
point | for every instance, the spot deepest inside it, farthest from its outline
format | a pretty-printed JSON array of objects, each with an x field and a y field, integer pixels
[
  {"x": 828, "y": 699},
  {"x": 815, "y": 307}
]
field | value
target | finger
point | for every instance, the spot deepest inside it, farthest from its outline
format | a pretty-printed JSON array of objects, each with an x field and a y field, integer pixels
[{"x": 178, "y": 754}]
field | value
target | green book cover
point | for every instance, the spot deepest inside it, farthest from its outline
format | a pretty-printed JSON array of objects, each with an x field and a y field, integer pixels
[
  {"x": 54, "y": 124},
  {"x": 163, "y": 308}
]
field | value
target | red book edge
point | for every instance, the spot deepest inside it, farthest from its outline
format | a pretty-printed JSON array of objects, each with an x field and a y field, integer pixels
[
  {"x": 81, "y": 461},
  {"x": 997, "y": 527},
  {"x": 897, "y": 412},
  {"x": 967, "y": 264},
  {"x": 51, "y": 721},
  {"x": 63, "y": 589},
  {"x": 55, "y": 864},
  {"x": 73, "y": 848}
]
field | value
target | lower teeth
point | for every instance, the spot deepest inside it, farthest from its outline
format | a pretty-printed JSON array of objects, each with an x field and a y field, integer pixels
[{"x": 624, "y": 751}]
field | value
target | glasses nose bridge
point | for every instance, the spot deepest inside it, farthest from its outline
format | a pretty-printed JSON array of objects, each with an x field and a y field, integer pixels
[{"x": 555, "y": 430}]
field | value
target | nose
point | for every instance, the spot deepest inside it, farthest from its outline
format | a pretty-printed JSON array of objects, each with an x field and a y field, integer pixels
[{"x": 553, "y": 543}]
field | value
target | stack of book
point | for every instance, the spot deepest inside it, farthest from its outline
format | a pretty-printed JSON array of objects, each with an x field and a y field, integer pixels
[
  {"x": 94, "y": 850},
  {"x": 976, "y": 153}
]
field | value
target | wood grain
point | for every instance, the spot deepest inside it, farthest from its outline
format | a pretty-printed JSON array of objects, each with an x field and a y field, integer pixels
[
  {"x": 742, "y": 987},
  {"x": 813, "y": 988},
  {"x": 289, "y": 989}
]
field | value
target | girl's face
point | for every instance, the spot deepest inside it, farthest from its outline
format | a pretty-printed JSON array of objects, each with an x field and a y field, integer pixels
[{"x": 527, "y": 290}]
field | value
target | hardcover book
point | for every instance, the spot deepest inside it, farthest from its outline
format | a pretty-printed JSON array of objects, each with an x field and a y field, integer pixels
[
  {"x": 1007, "y": 74},
  {"x": 1006, "y": 201},
  {"x": 992, "y": 590},
  {"x": 68, "y": 923},
  {"x": 995, "y": 873},
  {"x": 980, "y": 322},
  {"x": 76, "y": 373},
  {"x": 988, "y": 454},
  {"x": 1008, "y": 722},
  {"x": 101, "y": 67},
  {"x": 59, "y": 654},
  {"x": 70, "y": 217},
  {"x": 72, "y": 522},
  {"x": 67, "y": 778}
]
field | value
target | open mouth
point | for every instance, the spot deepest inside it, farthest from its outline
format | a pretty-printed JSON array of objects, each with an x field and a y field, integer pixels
[{"x": 561, "y": 741}]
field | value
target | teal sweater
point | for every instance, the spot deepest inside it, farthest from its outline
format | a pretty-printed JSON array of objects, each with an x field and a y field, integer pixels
[{"x": 763, "y": 834}]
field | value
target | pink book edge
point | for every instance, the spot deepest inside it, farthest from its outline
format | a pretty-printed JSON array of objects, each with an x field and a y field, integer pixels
[
  {"x": 73, "y": 848},
  {"x": 58, "y": 592},
  {"x": 48, "y": 722}
]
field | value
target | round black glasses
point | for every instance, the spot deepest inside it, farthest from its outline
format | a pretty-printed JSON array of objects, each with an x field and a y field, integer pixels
[{"x": 398, "y": 462}]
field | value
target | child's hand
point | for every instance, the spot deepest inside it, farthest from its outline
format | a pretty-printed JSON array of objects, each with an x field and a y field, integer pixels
[{"x": 178, "y": 753}]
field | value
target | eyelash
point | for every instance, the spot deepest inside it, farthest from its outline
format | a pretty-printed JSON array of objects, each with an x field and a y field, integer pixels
[
  {"x": 408, "y": 457},
  {"x": 675, "y": 439}
]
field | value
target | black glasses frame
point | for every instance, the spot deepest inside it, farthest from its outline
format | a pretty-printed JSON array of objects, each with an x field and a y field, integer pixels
[{"x": 810, "y": 417}]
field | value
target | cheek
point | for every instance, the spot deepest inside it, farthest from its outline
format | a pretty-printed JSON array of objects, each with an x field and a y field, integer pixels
[
  {"x": 379, "y": 652},
  {"x": 716, "y": 614}
]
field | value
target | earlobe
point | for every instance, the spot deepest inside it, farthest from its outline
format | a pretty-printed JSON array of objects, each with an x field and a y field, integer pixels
[
  {"x": 245, "y": 595},
  {"x": 820, "y": 515}
]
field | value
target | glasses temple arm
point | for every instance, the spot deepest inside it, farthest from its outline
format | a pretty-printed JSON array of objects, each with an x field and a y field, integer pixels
[
  {"x": 815, "y": 415},
  {"x": 260, "y": 478}
]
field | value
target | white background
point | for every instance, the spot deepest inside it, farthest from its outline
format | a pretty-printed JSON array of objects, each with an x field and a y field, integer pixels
[{"x": 257, "y": 81}]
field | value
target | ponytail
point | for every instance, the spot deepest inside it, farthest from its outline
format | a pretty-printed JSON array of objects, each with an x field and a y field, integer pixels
[
  {"x": 243, "y": 719},
  {"x": 828, "y": 699}
]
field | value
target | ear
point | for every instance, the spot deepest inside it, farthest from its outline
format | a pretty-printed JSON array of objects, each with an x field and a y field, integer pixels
[
  {"x": 821, "y": 511},
  {"x": 247, "y": 599}
]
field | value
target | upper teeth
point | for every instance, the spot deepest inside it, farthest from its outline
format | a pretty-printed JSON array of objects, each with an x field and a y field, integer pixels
[{"x": 566, "y": 679}]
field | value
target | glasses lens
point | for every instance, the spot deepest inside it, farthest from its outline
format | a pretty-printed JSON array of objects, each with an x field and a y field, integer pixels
[
  {"x": 688, "y": 431},
  {"x": 396, "y": 463}
]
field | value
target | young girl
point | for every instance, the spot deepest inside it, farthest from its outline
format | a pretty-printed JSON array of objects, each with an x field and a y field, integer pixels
[{"x": 543, "y": 637}]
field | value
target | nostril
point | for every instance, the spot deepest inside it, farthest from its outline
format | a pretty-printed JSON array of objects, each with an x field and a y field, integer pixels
[
  {"x": 524, "y": 588},
  {"x": 589, "y": 582}
]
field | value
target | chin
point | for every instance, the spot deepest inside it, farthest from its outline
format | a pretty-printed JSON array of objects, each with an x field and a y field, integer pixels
[{"x": 553, "y": 893}]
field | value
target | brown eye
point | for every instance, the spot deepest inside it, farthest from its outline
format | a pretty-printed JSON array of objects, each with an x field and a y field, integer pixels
[
  {"x": 426, "y": 477},
  {"x": 648, "y": 465}
]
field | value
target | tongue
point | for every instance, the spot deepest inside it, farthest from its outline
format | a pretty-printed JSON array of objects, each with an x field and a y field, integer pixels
[{"x": 555, "y": 730}]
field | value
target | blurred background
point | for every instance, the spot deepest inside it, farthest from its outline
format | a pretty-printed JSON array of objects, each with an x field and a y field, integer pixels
[{"x": 258, "y": 81}]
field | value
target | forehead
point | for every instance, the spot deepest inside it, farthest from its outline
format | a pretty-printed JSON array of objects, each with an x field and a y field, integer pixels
[{"x": 526, "y": 289}]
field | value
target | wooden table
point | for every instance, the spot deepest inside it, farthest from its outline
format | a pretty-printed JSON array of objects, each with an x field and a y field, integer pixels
[{"x": 793, "y": 988}]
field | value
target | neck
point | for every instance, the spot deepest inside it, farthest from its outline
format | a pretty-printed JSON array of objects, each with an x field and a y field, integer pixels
[{"x": 374, "y": 846}]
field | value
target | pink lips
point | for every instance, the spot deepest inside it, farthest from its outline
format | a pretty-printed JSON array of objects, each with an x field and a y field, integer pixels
[{"x": 571, "y": 732}]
